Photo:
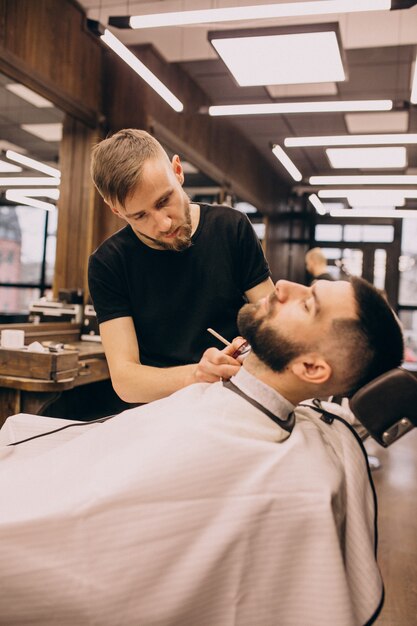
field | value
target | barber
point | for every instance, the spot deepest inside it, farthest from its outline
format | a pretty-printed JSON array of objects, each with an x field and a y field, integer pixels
[{"x": 174, "y": 270}]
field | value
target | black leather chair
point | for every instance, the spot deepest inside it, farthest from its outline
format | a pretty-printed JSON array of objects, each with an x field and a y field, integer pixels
[{"x": 387, "y": 406}]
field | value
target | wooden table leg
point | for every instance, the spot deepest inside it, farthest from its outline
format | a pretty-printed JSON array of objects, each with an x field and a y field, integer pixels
[{"x": 14, "y": 401}]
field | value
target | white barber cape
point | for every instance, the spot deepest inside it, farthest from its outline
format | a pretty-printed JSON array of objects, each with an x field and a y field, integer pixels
[{"x": 195, "y": 510}]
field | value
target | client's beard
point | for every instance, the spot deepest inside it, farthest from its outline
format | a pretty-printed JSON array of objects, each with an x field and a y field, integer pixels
[{"x": 270, "y": 346}]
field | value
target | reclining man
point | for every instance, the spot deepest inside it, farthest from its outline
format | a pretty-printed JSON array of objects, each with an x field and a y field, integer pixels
[{"x": 214, "y": 506}]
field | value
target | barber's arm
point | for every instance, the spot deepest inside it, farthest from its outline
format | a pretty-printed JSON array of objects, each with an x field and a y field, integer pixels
[
  {"x": 260, "y": 291},
  {"x": 135, "y": 382}
]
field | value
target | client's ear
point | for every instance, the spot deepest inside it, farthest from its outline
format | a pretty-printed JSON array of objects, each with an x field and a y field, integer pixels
[{"x": 311, "y": 368}]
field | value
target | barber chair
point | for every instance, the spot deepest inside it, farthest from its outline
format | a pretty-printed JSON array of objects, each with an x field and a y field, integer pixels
[{"x": 387, "y": 406}]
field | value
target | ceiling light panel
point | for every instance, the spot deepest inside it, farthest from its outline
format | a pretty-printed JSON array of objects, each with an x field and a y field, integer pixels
[
  {"x": 367, "y": 158},
  {"x": 47, "y": 132},
  {"x": 267, "y": 57},
  {"x": 302, "y": 91},
  {"x": 391, "y": 122}
]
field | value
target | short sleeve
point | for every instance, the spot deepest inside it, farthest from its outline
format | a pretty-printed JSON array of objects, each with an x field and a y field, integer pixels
[
  {"x": 107, "y": 290},
  {"x": 253, "y": 266}
]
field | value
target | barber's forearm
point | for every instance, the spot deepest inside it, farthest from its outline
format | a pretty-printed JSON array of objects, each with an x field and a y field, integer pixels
[{"x": 143, "y": 383}]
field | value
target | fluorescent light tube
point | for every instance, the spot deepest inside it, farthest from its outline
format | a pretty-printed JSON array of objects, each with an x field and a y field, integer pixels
[
  {"x": 305, "y": 57},
  {"x": 413, "y": 97},
  {"x": 17, "y": 196},
  {"x": 39, "y": 193},
  {"x": 367, "y": 158},
  {"x": 20, "y": 181},
  {"x": 386, "y": 212},
  {"x": 32, "y": 163},
  {"x": 9, "y": 167},
  {"x": 141, "y": 69},
  {"x": 378, "y": 194},
  {"x": 287, "y": 163},
  {"x": 300, "y": 107},
  {"x": 261, "y": 11},
  {"x": 317, "y": 204},
  {"x": 350, "y": 140},
  {"x": 363, "y": 180},
  {"x": 30, "y": 96}
]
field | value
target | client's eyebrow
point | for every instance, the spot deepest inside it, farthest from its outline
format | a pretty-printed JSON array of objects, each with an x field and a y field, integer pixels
[{"x": 317, "y": 304}]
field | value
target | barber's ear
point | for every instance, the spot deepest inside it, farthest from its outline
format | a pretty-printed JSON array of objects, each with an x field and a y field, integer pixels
[
  {"x": 177, "y": 167},
  {"x": 311, "y": 368},
  {"x": 116, "y": 211}
]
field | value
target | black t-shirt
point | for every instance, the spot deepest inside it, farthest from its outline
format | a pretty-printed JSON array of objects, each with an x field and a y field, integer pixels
[{"x": 173, "y": 297}]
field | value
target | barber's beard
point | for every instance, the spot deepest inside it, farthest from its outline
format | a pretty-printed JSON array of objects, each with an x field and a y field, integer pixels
[
  {"x": 183, "y": 239},
  {"x": 270, "y": 346}
]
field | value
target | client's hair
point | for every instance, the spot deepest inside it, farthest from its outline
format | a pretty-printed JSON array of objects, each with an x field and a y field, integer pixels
[
  {"x": 117, "y": 162},
  {"x": 371, "y": 345}
]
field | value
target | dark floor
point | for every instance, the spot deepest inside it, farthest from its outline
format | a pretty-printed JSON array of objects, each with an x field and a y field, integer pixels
[{"x": 396, "y": 486}]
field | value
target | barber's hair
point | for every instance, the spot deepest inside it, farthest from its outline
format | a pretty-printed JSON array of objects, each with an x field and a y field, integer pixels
[
  {"x": 373, "y": 343},
  {"x": 117, "y": 162}
]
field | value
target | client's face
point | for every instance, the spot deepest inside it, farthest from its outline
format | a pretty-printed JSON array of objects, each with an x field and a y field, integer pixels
[{"x": 294, "y": 319}]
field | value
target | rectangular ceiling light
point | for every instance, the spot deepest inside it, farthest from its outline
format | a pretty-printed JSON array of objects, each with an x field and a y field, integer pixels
[
  {"x": 274, "y": 108},
  {"x": 350, "y": 140},
  {"x": 413, "y": 97},
  {"x": 47, "y": 132},
  {"x": 137, "y": 66},
  {"x": 8, "y": 168},
  {"x": 391, "y": 122},
  {"x": 30, "y": 96},
  {"x": 287, "y": 163},
  {"x": 367, "y": 158},
  {"x": 309, "y": 90},
  {"x": 274, "y": 56},
  {"x": 32, "y": 163},
  {"x": 261, "y": 11},
  {"x": 401, "y": 179}
]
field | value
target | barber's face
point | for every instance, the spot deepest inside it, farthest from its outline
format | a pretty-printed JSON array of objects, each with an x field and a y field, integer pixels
[
  {"x": 294, "y": 319},
  {"x": 159, "y": 210}
]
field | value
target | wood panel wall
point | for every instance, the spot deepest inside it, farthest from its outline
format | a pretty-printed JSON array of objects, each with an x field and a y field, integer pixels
[
  {"x": 75, "y": 207},
  {"x": 45, "y": 45}
]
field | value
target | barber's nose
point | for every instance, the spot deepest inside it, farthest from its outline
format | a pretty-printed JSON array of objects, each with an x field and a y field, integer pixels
[
  {"x": 163, "y": 221},
  {"x": 286, "y": 290}
]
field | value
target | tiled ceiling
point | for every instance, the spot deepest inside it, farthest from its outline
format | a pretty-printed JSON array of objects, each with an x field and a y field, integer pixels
[{"x": 379, "y": 49}]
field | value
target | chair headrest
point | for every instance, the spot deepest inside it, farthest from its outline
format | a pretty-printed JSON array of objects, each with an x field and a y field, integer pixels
[{"x": 387, "y": 406}]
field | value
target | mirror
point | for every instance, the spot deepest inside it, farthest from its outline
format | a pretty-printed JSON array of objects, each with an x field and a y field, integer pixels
[{"x": 31, "y": 127}]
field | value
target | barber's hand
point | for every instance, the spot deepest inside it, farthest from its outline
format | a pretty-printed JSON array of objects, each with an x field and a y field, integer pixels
[{"x": 217, "y": 364}]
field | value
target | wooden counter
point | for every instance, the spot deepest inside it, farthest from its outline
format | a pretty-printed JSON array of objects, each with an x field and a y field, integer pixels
[{"x": 21, "y": 394}]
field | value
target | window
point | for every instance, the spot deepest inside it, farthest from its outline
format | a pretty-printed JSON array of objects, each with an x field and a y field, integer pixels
[{"x": 27, "y": 241}]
